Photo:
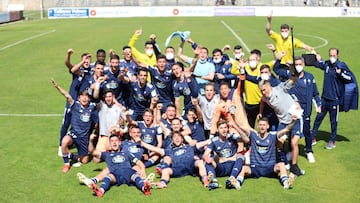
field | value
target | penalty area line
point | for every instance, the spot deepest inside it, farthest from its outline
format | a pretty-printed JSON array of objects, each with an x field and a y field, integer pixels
[
  {"x": 29, "y": 115},
  {"x": 26, "y": 39}
]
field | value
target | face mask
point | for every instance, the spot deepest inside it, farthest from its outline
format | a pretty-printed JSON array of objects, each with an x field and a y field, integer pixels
[
  {"x": 238, "y": 56},
  {"x": 264, "y": 76},
  {"x": 202, "y": 61},
  {"x": 299, "y": 68},
  {"x": 149, "y": 52},
  {"x": 217, "y": 60},
  {"x": 333, "y": 60},
  {"x": 252, "y": 64},
  {"x": 169, "y": 56},
  {"x": 284, "y": 34}
]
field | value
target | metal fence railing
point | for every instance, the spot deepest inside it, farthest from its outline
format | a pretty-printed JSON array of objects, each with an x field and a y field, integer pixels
[{"x": 45, "y": 4}]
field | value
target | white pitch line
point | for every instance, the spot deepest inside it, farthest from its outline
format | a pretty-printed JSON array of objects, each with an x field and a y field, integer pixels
[
  {"x": 317, "y": 37},
  {"x": 26, "y": 39},
  {"x": 326, "y": 42},
  {"x": 29, "y": 115},
  {"x": 237, "y": 36}
]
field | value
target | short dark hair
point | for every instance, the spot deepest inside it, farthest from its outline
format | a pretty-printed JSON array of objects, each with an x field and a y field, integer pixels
[
  {"x": 100, "y": 51},
  {"x": 126, "y": 47},
  {"x": 114, "y": 56},
  {"x": 216, "y": 50},
  {"x": 256, "y": 51},
  {"x": 107, "y": 90},
  {"x": 161, "y": 56},
  {"x": 142, "y": 69},
  {"x": 149, "y": 42},
  {"x": 263, "y": 119},
  {"x": 171, "y": 106},
  {"x": 237, "y": 47},
  {"x": 113, "y": 135},
  {"x": 99, "y": 62},
  {"x": 262, "y": 67},
  {"x": 220, "y": 122},
  {"x": 284, "y": 26}
]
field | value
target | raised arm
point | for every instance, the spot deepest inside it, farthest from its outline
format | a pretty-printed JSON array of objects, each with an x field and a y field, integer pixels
[
  {"x": 76, "y": 69},
  {"x": 66, "y": 94},
  {"x": 67, "y": 59},
  {"x": 268, "y": 23},
  {"x": 180, "y": 52}
]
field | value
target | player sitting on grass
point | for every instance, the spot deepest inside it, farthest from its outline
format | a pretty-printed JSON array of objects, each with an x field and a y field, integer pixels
[
  {"x": 263, "y": 153},
  {"x": 120, "y": 169},
  {"x": 179, "y": 159}
]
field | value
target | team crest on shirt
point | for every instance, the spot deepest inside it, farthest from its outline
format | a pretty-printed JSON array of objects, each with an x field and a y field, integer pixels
[
  {"x": 179, "y": 152},
  {"x": 139, "y": 97},
  {"x": 226, "y": 153},
  {"x": 118, "y": 159},
  {"x": 186, "y": 91},
  {"x": 262, "y": 150},
  {"x": 147, "y": 138},
  {"x": 160, "y": 85},
  {"x": 134, "y": 149},
  {"x": 112, "y": 85},
  {"x": 85, "y": 117}
]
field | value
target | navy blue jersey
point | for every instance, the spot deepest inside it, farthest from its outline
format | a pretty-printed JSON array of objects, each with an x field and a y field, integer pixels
[
  {"x": 131, "y": 67},
  {"x": 182, "y": 155},
  {"x": 113, "y": 83},
  {"x": 197, "y": 130},
  {"x": 263, "y": 150},
  {"x": 82, "y": 119},
  {"x": 141, "y": 96},
  {"x": 226, "y": 148},
  {"x": 118, "y": 160},
  {"x": 182, "y": 89},
  {"x": 149, "y": 134},
  {"x": 132, "y": 147},
  {"x": 162, "y": 82}
]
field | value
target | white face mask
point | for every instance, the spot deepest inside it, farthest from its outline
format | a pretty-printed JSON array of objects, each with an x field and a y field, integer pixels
[
  {"x": 149, "y": 52},
  {"x": 264, "y": 76},
  {"x": 332, "y": 59},
  {"x": 217, "y": 60},
  {"x": 285, "y": 35},
  {"x": 299, "y": 68},
  {"x": 238, "y": 56},
  {"x": 169, "y": 56},
  {"x": 252, "y": 64}
]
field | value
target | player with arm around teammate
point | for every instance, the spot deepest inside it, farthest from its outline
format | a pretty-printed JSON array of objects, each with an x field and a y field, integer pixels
[
  {"x": 179, "y": 159},
  {"x": 263, "y": 153}
]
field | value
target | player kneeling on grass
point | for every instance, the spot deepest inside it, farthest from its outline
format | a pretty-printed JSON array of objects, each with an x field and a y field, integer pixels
[
  {"x": 120, "y": 169},
  {"x": 179, "y": 159},
  {"x": 83, "y": 116},
  {"x": 263, "y": 153}
]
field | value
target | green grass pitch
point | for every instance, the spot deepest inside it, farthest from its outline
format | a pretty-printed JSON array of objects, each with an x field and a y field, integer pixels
[{"x": 32, "y": 52}]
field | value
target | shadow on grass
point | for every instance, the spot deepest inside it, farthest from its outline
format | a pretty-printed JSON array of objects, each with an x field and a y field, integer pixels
[{"x": 325, "y": 136}]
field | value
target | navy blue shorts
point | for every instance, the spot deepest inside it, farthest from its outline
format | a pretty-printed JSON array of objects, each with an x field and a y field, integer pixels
[
  {"x": 183, "y": 170},
  {"x": 224, "y": 169},
  {"x": 123, "y": 176},
  {"x": 258, "y": 172},
  {"x": 81, "y": 143},
  {"x": 296, "y": 129}
]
